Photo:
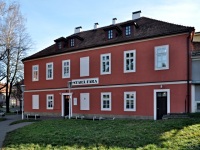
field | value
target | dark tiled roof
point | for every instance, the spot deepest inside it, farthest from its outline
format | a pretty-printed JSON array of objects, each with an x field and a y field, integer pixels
[{"x": 147, "y": 28}]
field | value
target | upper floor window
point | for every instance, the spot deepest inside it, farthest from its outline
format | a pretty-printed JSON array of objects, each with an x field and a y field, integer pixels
[
  {"x": 129, "y": 101},
  {"x": 110, "y": 34},
  {"x": 71, "y": 42},
  {"x": 106, "y": 64},
  {"x": 35, "y": 73},
  {"x": 84, "y": 66},
  {"x": 50, "y": 101},
  {"x": 106, "y": 101},
  {"x": 129, "y": 61},
  {"x": 66, "y": 69},
  {"x": 49, "y": 71},
  {"x": 162, "y": 57},
  {"x": 128, "y": 30}
]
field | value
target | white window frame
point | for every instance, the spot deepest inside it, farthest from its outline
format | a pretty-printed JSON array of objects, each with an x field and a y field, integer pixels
[
  {"x": 33, "y": 71},
  {"x": 35, "y": 102},
  {"x": 110, "y": 34},
  {"x": 128, "y": 30},
  {"x": 134, "y": 101},
  {"x": 47, "y": 78},
  {"x": 156, "y": 49},
  {"x": 47, "y": 101},
  {"x": 110, "y": 101},
  {"x": 134, "y": 60},
  {"x": 105, "y": 72},
  {"x": 67, "y": 66},
  {"x": 72, "y": 42}
]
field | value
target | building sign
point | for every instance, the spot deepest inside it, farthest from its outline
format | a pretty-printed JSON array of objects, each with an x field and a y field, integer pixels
[{"x": 85, "y": 81}]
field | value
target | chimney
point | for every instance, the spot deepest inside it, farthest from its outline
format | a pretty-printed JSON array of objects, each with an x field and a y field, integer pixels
[
  {"x": 114, "y": 21},
  {"x": 96, "y": 25},
  {"x": 136, "y": 15},
  {"x": 78, "y": 29}
]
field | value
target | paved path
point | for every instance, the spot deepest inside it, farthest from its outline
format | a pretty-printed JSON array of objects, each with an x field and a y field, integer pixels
[{"x": 5, "y": 127}]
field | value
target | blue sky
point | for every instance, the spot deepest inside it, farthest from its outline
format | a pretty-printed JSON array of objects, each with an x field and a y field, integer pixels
[{"x": 48, "y": 20}]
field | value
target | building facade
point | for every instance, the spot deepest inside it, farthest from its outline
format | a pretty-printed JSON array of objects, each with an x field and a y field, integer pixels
[{"x": 135, "y": 69}]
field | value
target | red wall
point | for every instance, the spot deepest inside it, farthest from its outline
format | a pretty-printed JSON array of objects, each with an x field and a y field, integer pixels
[{"x": 145, "y": 73}]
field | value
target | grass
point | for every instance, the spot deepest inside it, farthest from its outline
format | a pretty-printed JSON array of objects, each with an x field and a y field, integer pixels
[
  {"x": 2, "y": 119},
  {"x": 179, "y": 134}
]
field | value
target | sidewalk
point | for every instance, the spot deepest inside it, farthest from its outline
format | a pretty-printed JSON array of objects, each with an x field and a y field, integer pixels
[{"x": 5, "y": 127}]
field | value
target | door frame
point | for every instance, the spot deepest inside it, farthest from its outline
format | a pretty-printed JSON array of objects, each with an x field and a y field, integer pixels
[
  {"x": 70, "y": 104},
  {"x": 155, "y": 101}
]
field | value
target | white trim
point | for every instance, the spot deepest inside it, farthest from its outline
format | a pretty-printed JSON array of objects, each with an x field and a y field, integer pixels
[
  {"x": 68, "y": 61},
  {"x": 47, "y": 100},
  {"x": 107, "y": 46},
  {"x": 134, "y": 63},
  {"x": 70, "y": 104},
  {"x": 110, "y": 101},
  {"x": 51, "y": 63},
  {"x": 156, "y": 48},
  {"x": 37, "y": 73},
  {"x": 112, "y": 86},
  {"x": 134, "y": 101},
  {"x": 155, "y": 101},
  {"x": 101, "y": 65}
]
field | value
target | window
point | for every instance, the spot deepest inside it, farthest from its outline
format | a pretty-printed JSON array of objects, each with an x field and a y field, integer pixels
[
  {"x": 35, "y": 73},
  {"x": 71, "y": 42},
  {"x": 49, "y": 71},
  {"x": 129, "y": 101},
  {"x": 162, "y": 57},
  {"x": 66, "y": 69},
  {"x": 128, "y": 30},
  {"x": 59, "y": 45},
  {"x": 129, "y": 61},
  {"x": 50, "y": 101},
  {"x": 110, "y": 34},
  {"x": 84, "y": 66},
  {"x": 105, "y": 64},
  {"x": 106, "y": 101},
  {"x": 84, "y": 101},
  {"x": 35, "y": 101}
]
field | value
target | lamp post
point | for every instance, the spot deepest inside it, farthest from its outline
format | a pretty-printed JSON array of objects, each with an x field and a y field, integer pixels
[
  {"x": 70, "y": 86},
  {"x": 22, "y": 89}
]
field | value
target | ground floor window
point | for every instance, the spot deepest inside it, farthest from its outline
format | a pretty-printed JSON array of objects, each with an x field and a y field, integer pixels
[
  {"x": 35, "y": 101},
  {"x": 129, "y": 101},
  {"x": 106, "y": 101},
  {"x": 50, "y": 101}
]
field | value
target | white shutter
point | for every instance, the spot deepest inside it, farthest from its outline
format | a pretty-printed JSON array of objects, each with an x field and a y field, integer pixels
[
  {"x": 35, "y": 101},
  {"x": 84, "y": 101},
  {"x": 84, "y": 66}
]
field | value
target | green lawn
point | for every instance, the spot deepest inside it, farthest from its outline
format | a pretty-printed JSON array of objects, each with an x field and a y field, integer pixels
[
  {"x": 2, "y": 119},
  {"x": 179, "y": 134}
]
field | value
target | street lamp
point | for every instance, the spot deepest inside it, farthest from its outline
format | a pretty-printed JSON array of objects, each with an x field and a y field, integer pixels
[
  {"x": 69, "y": 84},
  {"x": 22, "y": 89}
]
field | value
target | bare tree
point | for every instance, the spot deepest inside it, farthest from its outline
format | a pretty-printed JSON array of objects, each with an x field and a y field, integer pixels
[{"x": 15, "y": 42}]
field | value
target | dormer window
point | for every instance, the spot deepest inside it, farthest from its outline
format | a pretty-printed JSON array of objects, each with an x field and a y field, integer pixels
[
  {"x": 71, "y": 42},
  {"x": 59, "y": 45},
  {"x": 128, "y": 30},
  {"x": 110, "y": 34}
]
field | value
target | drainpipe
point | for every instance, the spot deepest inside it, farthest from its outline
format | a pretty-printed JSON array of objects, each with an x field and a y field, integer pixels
[{"x": 188, "y": 72}]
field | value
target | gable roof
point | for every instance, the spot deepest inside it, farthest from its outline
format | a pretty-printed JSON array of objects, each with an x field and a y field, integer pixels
[{"x": 145, "y": 28}]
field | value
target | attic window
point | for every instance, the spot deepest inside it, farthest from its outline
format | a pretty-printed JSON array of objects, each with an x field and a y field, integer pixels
[
  {"x": 110, "y": 34},
  {"x": 128, "y": 30},
  {"x": 59, "y": 45},
  {"x": 71, "y": 42}
]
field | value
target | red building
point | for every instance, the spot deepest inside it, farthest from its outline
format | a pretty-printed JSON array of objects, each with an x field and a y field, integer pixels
[{"x": 135, "y": 69}]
